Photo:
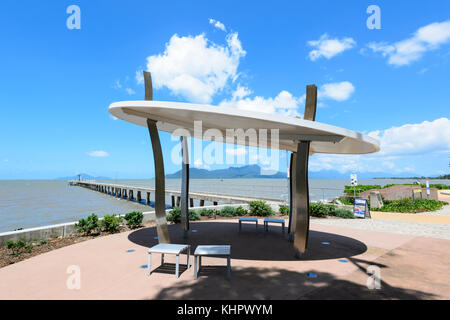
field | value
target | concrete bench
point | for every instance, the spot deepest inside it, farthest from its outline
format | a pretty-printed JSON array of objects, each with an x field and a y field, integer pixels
[
  {"x": 268, "y": 220},
  {"x": 247, "y": 220},
  {"x": 216, "y": 251},
  {"x": 168, "y": 248}
]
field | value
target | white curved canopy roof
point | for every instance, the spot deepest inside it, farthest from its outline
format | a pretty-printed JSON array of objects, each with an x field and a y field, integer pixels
[{"x": 174, "y": 115}]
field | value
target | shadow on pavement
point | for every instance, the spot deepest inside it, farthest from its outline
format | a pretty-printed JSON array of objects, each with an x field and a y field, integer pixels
[
  {"x": 251, "y": 244},
  {"x": 262, "y": 283}
]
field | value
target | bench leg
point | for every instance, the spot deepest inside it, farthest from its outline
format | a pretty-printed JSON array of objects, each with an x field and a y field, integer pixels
[
  {"x": 199, "y": 262},
  {"x": 149, "y": 263},
  {"x": 162, "y": 258},
  {"x": 195, "y": 267},
  {"x": 256, "y": 224},
  {"x": 188, "y": 261},
  {"x": 240, "y": 225},
  {"x": 177, "y": 267},
  {"x": 229, "y": 267},
  {"x": 282, "y": 227}
]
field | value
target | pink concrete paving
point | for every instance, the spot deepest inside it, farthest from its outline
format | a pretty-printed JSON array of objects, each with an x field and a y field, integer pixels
[{"x": 263, "y": 267}]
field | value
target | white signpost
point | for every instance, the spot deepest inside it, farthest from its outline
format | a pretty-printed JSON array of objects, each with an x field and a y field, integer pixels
[
  {"x": 354, "y": 179},
  {"x": 428, "y": 188},
  {"x": 354, "y": 183}
]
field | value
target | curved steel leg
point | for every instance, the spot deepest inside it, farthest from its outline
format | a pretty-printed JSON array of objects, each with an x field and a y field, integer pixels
[
  {"x": 301, "y": 196},
  {"x": 160, "y": 185},
  {"x": 299, "y": 182},
  {"x": 160, "y": 188},
  {"x": 184, "y": 207},
  {"x": 292, "y": 202}
]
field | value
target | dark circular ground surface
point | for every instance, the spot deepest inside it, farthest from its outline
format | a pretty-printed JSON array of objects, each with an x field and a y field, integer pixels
[{"x": 252, "y": 244}]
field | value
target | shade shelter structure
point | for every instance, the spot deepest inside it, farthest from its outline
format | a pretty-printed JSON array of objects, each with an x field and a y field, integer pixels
[{"x": 303, "y": 137}]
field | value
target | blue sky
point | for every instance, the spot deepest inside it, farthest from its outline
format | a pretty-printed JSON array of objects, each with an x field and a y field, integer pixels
[{"x": 56, "y": 83}]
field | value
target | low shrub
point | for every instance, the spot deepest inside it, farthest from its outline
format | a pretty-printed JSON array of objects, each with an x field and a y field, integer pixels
[
  {"x": 88, "y": 225},
  {"x": 260, "y": 208},
  {"x": 110, "y": 223},
  {"x": 343, "y": 213},
  {"x": 175, "y": 215},
  {"x": 134, "y": 219},
  {"x": 411, "y": 206},
  {"x": 438, "y": 186},
  {"x": 227, "y": 212},
  {"x": 42, "y": 242},
  {"x": 205, "y": 212},
  {"x": 284, "y": 210},
  {"x": 240, "y": 211},
  {"x": 19, "y": 247},
  {"x": 194, "y": 215},
  {"x": 348, "y": 200},
  {"x": 349, "y": 190},
  {"x": 320, "y": 210}
]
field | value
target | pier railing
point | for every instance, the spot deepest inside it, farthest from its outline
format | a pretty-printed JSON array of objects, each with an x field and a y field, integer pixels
[{"x": 213, "y": 193}]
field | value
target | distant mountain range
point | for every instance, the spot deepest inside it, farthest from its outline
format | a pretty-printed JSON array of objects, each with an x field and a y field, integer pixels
[
  {"x": 245, "y": 172},
  {"x": 84, "y": 176},
  {"x": 334, "y": 174},
  {"x": 254, "y": 172}
]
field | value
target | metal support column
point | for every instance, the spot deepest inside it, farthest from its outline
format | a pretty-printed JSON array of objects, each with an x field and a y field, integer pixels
[
  {"x": 184, "y": 207},
  {"x": 160, "y": 185},
  {"x": 299, "y": 213},
  {"x": 291, "y": 199}
]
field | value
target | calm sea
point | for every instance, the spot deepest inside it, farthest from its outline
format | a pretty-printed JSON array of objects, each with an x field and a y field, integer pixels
[{"x": 33, "y": 203}]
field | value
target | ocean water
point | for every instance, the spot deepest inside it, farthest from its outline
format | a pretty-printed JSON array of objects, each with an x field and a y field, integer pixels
[{"x": 34, "y": 203}]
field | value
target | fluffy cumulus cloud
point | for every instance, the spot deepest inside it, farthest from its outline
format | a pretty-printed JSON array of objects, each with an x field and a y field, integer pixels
[
  {"x": 98, "y": 153},
  {"x": 194, "y": 67},
  {"x": 218, "y": 24},
  {"x": 339, "y": 91},
  {"x": 201, "y": 165},
  {"x": 425, "y": 137},
  {"x": 284, "y": 103},
  {"x": 405, "y": 52},
  {"x": 328, "y": 48},
  {"x": 396, "y": 145},
  {"x": 197, "y": 69}
]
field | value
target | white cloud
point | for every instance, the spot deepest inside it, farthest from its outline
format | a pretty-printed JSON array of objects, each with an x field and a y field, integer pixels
[
  {"x": 195, "y": 67},
  {"x": 328, "y": 48},
  {"x": 236, "y": 151},
  {"x": 199, "y": 164},
  {"x": 405, "y": 52},
  {"x": 218, "y": 24},
  {"x": 117, "y": 85},
  {"x": 5, "y": 160},
  {"x": 339, "y": 91},
  {"x": 284, "y": 103},
  {"x": 425, "y": 137},
  {"x": 130, "y": 91},
  {"x": 397, "y": 144},
  {"x": 98, "y": 153},
  {"x": 139, "y": 77}
]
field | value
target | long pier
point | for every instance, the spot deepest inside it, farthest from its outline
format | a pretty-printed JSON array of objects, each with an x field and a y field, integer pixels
[{"x": 143, "y": 194}]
